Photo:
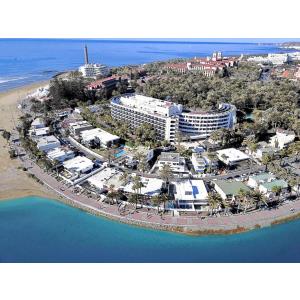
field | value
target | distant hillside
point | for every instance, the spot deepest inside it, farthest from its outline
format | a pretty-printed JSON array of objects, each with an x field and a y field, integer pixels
[{"x": 290, "y": 44}]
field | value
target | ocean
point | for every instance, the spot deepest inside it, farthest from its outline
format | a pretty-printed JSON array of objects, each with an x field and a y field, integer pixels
[
  {"x": 24, "y": 61},
  {"x": 42, "y": 230},
  {"x": 36, "y": 229}
]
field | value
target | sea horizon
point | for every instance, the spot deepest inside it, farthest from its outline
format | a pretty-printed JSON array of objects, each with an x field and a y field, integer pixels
[{"x": 26, "y": 61}]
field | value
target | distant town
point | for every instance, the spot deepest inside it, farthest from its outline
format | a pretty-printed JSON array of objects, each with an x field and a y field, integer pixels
[{"x": 177, "y": 143}]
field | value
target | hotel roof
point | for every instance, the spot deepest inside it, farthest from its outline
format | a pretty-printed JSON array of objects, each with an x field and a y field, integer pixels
[{"x": 150, "y": 105}]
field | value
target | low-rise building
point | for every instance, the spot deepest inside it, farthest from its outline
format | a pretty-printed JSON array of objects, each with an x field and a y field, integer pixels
[
  {"x": 60, "y": 154},
  {"x": 99, "y": 136},
  {"x": 199, "y": 162},
  {"x": 267, "y": 187},
  {"x": 282, "y": 139},
  {"x": 228, "y": 190},
  {"x": 174, "y": 160},
  {"x": 263, "y": 149},
  {"x": 190, "y": 195},
  {"x": 38, "y": 132},
  {"x": 102, "y": 180},
  {"x": 231, "y": 156},
  {"x": 37, "y": 123},
  {"x": 78, "y": 164},
  {"x": 77, "y": 127},
  {"x": 47, "y": 143},
  {"x": 202, "y": 162},
  {"x": 150, "y": 187},
  {"x": 255, "y": 180}
]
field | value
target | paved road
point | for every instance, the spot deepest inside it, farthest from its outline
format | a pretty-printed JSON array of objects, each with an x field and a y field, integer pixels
[{"x": 263, "y": 218}]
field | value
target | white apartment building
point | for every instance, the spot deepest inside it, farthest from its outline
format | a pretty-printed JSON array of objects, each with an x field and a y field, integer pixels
[
  {"x": 37, "y": 123},
  {"x": 168, "y": 118},
  {"x": 190, "y": 195},
  {"x": 94, "y": 70},
  {"x": 231, "y": 156},
  {"x": 201, "y": 162},
  {"x": 60, "y": 154},
  {"x": 282, "y": 138},
  {"x": 276, "y": 58},
  {"x": 174, "y": 160},
  {"x": 78, "y": 164},
  {"x": 77, "y": 127},
  {"x": 47, "y": 143},
  {"x": 104, "y": 138}
]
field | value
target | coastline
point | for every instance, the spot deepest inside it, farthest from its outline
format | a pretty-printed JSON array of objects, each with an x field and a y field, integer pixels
[{"x": 14, "y": 183}]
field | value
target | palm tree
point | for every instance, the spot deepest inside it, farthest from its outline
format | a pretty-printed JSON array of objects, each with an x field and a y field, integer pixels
[
  {"x": 266, "y": 159},
  {"x": 166, "y": 174},
  {"x": 277, "y": 190},
  {"x": 156, "y": 200},
  {"x": 125, "y": 177},
  {"x": 214, "y": 201},
  {"x": 137, "y": 187},
  {"x": 211, "y": 157},
  {"x": 112, "y": 193},
  {"x": 142, "y": 166}
]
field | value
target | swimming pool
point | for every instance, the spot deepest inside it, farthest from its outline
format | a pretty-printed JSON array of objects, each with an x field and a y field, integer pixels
[{"x": 120, "y": 153}]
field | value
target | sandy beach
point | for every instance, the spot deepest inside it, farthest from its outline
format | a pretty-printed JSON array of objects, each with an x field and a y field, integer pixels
[{"x": 14, "y": 182}]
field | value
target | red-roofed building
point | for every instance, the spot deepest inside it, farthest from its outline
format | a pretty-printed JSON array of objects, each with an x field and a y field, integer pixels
[{"x": 208, "y": 66}]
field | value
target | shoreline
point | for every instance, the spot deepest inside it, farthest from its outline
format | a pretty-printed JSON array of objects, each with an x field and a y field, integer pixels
[
  {"x": 160, "y": 227},
  {"x": 14, "y": 183}
]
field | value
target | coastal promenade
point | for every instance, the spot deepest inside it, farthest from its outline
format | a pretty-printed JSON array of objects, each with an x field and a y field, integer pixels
[{"x": 186, "y": 224}]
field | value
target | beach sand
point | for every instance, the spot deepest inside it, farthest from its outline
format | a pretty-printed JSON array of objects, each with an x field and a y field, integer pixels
[{"x": 14, "y": 182}]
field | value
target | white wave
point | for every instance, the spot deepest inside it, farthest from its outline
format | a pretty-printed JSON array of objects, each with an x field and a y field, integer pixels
[{"x": 4, "y": 80}]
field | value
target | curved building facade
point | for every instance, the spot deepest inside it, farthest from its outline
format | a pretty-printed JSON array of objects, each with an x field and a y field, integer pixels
[
  {"x": 168, "y": 118},
  {"x": 202, "y": 124}
]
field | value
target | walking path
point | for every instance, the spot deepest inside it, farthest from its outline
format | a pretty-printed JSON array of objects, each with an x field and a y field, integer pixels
[{"x": 189, "y": 224}]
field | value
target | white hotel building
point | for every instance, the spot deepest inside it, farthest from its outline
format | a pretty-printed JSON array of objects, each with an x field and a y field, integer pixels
[
  {"x": 94, "y": 70},
  {"x": 168, "y": 118}
]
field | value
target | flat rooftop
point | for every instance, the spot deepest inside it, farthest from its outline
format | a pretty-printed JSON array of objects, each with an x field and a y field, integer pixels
[
  {"x": 78, "y": 163},
  {"x": 151, "y": 186},
  {"x": 104, "y": 136},
  {"x": 104, "y": 178},
  {"x": 279, "y": 182},
  {"x": 262, "y": 177},
  {"x": 231, "y": 188},
  {"x": 190, "y": 190},
  {"x": 150, "y": 105},
  {"x": 45, "y": 140},
  {"x": 232, "y": 155},
  {"x": 169, "y": 157}
]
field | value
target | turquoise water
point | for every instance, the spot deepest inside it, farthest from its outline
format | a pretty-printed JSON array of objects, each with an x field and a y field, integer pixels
[
  {"x": 119, "y": 154},
  {"x": 41, "y": 230}
]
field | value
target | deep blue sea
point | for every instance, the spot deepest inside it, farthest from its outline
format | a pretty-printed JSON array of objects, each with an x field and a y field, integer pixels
[
  {"x": 42, "y": 230},
  {"x": 24, "y": 61}
]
